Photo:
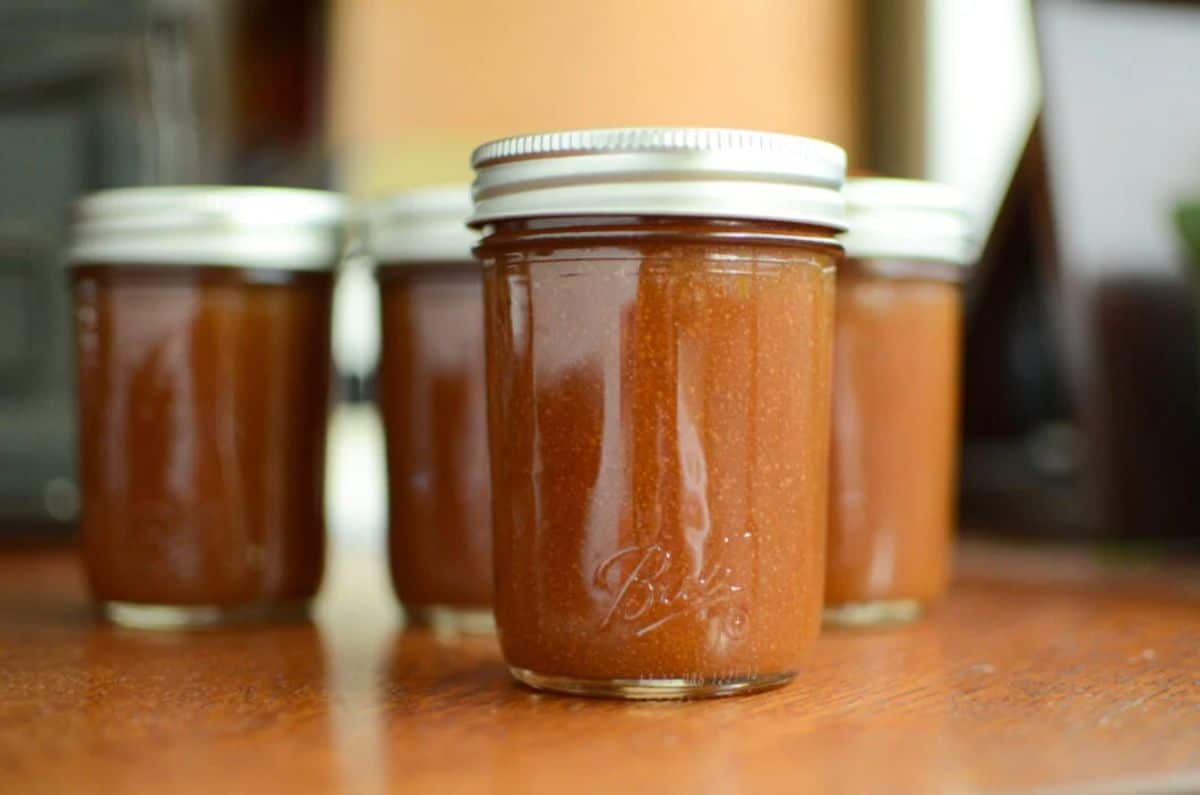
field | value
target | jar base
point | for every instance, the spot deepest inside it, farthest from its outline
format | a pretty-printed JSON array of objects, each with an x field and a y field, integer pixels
[
  {"x": 651, "y": 689},
  {"x": 866, "y": 614},
  {"x": 136, "y": 615},
  {"x": 447, "y": 620}
]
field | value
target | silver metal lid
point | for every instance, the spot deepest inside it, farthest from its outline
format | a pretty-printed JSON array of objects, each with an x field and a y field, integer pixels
[
  {"x": 680, "y": 171},
  {"x": 906, "y": 219},
  {"x": 242, "y": 227},
  {"x": 425, "y": 225}
]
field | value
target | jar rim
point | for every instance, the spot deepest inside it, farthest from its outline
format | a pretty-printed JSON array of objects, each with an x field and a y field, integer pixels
[{"x": 620, "y": 231}]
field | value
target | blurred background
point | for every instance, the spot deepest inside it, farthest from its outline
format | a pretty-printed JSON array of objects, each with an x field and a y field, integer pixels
[{"x": 1073, "y": 127}]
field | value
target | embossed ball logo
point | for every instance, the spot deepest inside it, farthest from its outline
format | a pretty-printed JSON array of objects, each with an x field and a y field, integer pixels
[{"x": 650, "y": 588}]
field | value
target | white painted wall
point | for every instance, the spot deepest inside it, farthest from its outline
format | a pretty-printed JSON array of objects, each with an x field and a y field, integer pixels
[{"x": 983, "y": 96}]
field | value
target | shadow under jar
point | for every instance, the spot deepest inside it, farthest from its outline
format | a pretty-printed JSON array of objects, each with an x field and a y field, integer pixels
[
  {"x": 896, "y": 384},
  {"x": 202, "y": 343},
  {"x": 659, "y": 356},
  {"x": 433, "y": 399}
]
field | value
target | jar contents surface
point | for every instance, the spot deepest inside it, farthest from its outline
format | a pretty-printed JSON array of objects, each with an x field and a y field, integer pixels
[
  {"x": 203, "y": 395},
  {"x": 660, "y": 397},
  {"x": 433, "y": 399},
  {"x": 894, "y": 432}
]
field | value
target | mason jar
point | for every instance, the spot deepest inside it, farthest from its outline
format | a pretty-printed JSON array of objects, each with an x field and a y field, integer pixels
[
  {"x": 895, "y": 407},
  {"x": 433, "y": 400},
  {"x": 202, "y": 343},
  {"x": 659, "y": 307}
]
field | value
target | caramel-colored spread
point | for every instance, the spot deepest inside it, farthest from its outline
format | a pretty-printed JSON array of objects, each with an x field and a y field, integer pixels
[
  {"x": 203, "y": 395},
  {"x": 433, "y": 398},
  {"x": 894, "y": 430},
  {"x": 659, "y": 406}
]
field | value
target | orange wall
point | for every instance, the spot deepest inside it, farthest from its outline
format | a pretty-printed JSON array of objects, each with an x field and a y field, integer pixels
[{"x": 417, "y": 83}]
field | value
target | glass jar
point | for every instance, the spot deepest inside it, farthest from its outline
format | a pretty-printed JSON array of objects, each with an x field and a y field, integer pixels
[
  {"x": 202, "y": 343},
  {"x": 433, "y": 399},
  {"x": 896, "y": 381},
  {"x": 659, "y": 331}
]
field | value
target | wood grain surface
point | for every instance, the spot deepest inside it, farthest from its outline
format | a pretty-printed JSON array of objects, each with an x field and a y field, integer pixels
[{"x": 1045, "y": 671}]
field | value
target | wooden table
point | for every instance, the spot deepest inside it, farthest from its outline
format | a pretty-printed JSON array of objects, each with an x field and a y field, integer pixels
[{"x": 1045, "y": 671}]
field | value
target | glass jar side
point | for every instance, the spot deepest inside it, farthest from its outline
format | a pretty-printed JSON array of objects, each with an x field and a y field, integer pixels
[
  {"x": 894, "y": 458},
  {"x": 202, "y": 439},
  {"x": 659, "y": 396},
  {"x": 432, "y": 397}
]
